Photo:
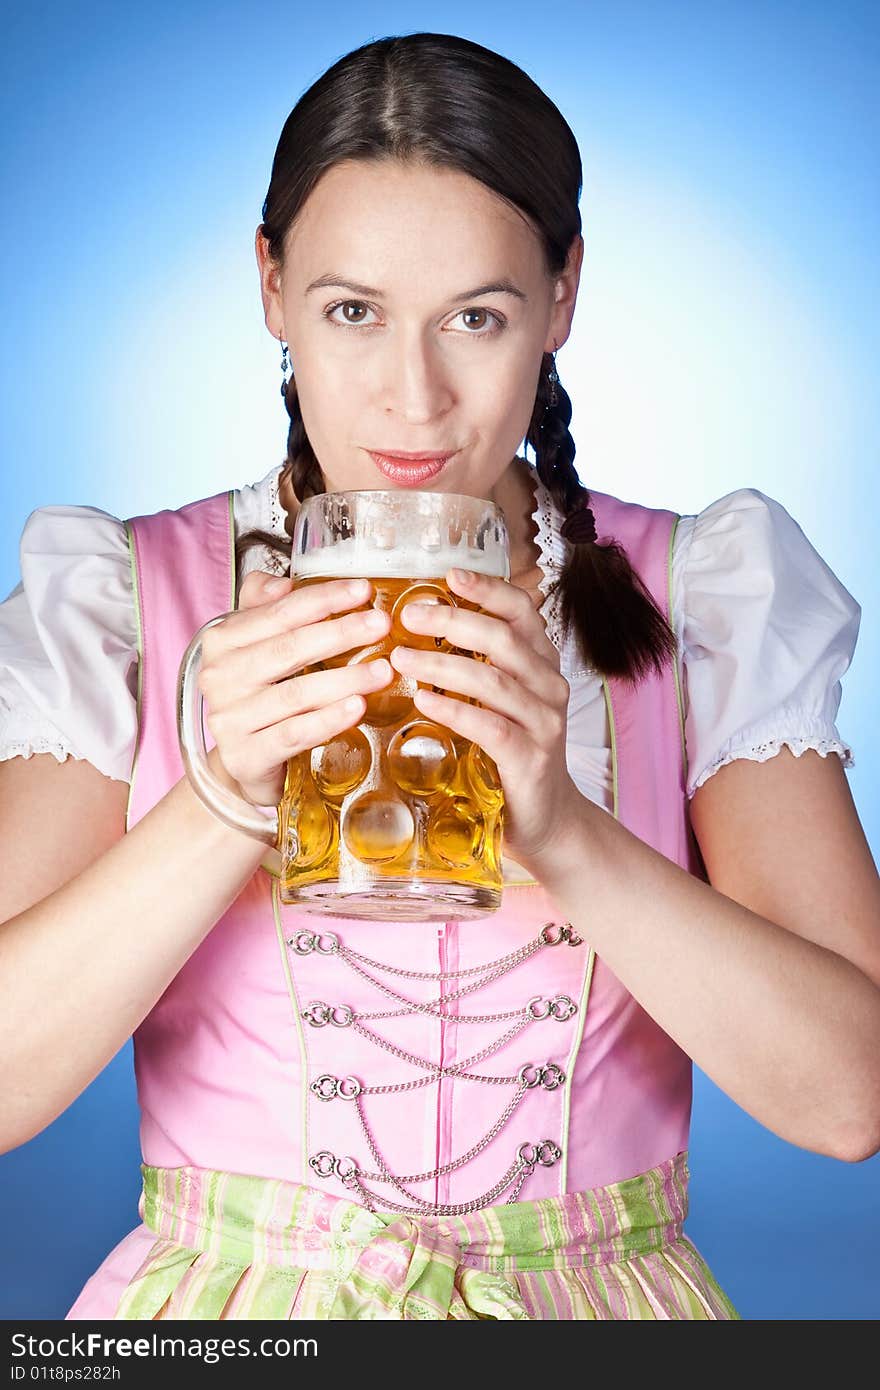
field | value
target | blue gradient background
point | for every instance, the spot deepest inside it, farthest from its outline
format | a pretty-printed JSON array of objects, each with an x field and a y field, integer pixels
[{"x": 726, "y": 336}]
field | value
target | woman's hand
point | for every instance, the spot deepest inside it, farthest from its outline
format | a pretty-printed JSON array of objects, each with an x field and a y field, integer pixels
[
  {"x": 260, "y": 710},
  {"x": 523, "y": 723}
]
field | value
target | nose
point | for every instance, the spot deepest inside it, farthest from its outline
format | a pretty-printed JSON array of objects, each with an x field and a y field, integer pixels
[{"x": 416, "y": 384}]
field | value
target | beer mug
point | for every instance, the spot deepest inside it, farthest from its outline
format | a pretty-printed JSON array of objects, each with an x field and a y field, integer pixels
[{"x": 398, "y": 816}]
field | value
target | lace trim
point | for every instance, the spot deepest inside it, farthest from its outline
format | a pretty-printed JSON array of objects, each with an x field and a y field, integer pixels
[
  {"x": 276, "y": 510},
  {"x": 542, "y": 516},
  {"x": 761, "y": 752},
  {"x": 25, "y": 748},
  {"x": 553, "y": 553},
  {"x": 262, "y": 556}
]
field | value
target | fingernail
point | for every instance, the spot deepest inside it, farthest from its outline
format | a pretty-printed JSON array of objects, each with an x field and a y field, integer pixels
[{"x": 461, "y": 577}]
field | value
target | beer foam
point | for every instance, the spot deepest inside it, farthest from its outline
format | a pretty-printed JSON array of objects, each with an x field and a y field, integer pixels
[{"x": 367, "y": 558}]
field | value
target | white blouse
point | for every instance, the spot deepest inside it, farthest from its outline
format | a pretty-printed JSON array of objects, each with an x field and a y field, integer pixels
[{"x": 765, "y": 632}]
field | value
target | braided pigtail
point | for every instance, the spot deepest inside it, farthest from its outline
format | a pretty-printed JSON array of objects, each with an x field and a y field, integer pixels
[
  {"x": 619, "y": 629},
  {"x": 305, "y": 471},
  {"x": 301, "y": 466}
]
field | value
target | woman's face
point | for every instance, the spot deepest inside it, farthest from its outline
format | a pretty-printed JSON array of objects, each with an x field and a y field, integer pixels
[{"x": 406, "y": 356}]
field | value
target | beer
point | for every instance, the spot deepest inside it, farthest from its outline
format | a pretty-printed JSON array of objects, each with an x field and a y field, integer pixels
[{"x": 398, "y": 816}]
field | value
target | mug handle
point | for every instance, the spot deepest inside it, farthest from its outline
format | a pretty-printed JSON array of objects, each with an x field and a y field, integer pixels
[{"x": 262, "y": 822}]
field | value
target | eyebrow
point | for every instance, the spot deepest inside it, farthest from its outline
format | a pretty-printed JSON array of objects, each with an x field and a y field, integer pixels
[{"x": 333, "y": 281}]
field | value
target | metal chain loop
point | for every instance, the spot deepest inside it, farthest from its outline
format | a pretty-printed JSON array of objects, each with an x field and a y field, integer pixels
[
  {"x": 546, "y": 1151},
  {"x": 547, "y": 936},
  {"x": 328, "y": 1087},
  {"x": 560, "y": 1008},
  {"x": 385, "y": 1175},
  {"x": 551, "y": 934},
  {"x": 450, "y": 1069}
]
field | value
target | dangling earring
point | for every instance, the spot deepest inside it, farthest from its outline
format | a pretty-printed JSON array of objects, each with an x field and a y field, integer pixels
[
  {"x": 286, "y": 366},
  {"x": 553, "y": 398},
  {"x": 553, "y": 377}
]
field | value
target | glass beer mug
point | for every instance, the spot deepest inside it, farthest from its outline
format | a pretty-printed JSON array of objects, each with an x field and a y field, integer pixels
[{"x": 398, "y": 816}]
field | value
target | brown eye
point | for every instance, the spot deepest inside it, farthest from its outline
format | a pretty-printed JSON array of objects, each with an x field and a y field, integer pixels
[
  {"x": 467, "y": 313},
  {"x": 352, "y": 304}
]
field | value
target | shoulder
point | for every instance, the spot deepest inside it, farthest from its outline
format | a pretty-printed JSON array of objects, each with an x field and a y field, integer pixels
[
  {"x": 611, "y": 510},
  {"x": 68, "y": 641},
  {"x": 251, "y": 507},
  {"x": 67, "y": 530},
  {"x": 71, "y": 530},
  {"x": 748, "y": 546},
  {"x": 75, "y": 572},
  {"x": 765, "y": 631},
  {"x": 254, "y": 504},
  {"x": 76, "y": 557},
  {"x": 746, "y": 510}
]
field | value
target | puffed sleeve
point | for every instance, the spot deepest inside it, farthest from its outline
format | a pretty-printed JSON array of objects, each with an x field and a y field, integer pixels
[
  {"x": 68, "y": 643},
  {"x": 767, "y": 632}
]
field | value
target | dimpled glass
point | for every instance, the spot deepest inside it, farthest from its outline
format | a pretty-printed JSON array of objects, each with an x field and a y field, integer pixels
[{"x": 397, "y": 817}]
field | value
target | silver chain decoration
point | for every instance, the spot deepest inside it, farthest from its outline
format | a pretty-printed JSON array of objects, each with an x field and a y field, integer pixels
[{"x": 328, "y": 1087}]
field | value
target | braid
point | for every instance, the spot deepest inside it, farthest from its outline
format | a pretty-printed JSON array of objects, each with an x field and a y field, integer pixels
[
  {"x": 555, "y": 449},
  {"x": 305, "y": 471},
  {"x": 619, "y": 629},
  {"x": 302, "y": 467}
]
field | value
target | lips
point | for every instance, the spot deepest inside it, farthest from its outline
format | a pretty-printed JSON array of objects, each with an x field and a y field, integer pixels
[{"x": 410, "y": 469}]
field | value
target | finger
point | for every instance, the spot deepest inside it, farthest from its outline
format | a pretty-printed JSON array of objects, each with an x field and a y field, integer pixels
[
  {"x": 266, "y": 750},
  {"x": 505, "y": 600},
  {"x": 260, "y": 587},
  {"x": 304, "y": 604},
  {"x": 511, "y": 643},
  {"x": 492, "y": 686},
  {"x": 505, "y": 742},
  {"x": 300, "y": 695},
  {"x": 284, "y": 652}
]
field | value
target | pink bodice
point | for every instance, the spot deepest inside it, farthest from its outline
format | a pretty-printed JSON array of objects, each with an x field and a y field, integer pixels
[{"x": 230, "y": 1061}]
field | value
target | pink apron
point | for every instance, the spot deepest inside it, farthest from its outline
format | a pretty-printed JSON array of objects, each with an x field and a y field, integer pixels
[{"x": 313, "y": 1050}]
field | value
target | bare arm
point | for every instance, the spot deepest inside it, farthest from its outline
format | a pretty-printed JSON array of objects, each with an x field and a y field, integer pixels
[
  {"x": 84, "y": 965},
  {"x": 769, "y": 980},
  {"x": 95, "y": 923}
]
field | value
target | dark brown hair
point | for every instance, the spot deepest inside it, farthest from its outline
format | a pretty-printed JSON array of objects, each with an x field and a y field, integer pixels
[{"x": 446, "y": 101}]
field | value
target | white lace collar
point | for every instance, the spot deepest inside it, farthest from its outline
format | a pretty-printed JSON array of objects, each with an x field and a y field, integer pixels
[
  {"x": 258, "y": 506},
  {"x": 552, "y": 553},
  {"x": 552, "y": 548}
]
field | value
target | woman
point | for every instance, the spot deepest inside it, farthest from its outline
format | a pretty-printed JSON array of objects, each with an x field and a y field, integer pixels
[{"x": 423, "y": 195}]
